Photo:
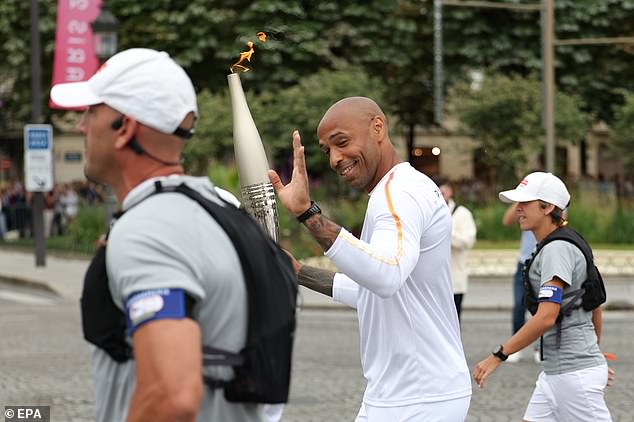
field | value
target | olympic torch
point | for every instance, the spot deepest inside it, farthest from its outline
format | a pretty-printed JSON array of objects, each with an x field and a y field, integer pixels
[{"x": 257, "y": 191}]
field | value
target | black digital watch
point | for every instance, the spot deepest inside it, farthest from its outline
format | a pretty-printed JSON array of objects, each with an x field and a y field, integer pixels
[{"x": 312, "y": 210}]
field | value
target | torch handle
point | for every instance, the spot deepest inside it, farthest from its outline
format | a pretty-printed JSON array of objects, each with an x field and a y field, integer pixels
[{"x": 259, "y": 201}]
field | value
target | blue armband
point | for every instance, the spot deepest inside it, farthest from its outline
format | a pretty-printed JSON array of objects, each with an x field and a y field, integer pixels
[
  {"x": 550, "y": 294},
  {"x": 149, "y": 305}
]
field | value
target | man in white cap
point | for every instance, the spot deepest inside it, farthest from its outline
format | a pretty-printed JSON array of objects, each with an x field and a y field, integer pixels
[
  {"x": 575, "y": 373},
  {"x": 168, "y": 268}
]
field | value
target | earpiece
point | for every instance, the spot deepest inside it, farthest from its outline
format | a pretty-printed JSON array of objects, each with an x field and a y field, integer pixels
[
  {"x": 138, "y": 149},
  {"x": 134, "y": 146},
  {"x": 116, "y": 125}
]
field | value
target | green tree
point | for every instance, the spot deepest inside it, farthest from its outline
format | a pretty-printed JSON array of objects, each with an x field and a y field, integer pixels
[
  {"x": 15, "y": 66},
  {"x": 276, "y": 115},
  {"x": 505, "y": 115},
  {"x": 622, "y": 137},
  {"x": 213, "y": 140},
  {"x": 390, "y": 39},
  {"x": 509, "y": 42}
]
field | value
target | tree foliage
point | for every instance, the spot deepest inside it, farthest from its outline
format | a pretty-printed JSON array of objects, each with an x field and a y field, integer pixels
[
  {"x": 276, "y": 115},
  {"x": 388, "y": 38},
  {"x": 15, "y": 50},
  {"x": 392, "y": 40},
  {"x": 622, "y": 144},
  {"x": 505, "y": 115},
  {"x": 509, "y": 42}
]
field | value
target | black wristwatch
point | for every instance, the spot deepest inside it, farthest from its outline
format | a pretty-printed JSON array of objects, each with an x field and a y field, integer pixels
[
  {"x": 312, "y": 210},
  {"x": 498, "y": 352}
]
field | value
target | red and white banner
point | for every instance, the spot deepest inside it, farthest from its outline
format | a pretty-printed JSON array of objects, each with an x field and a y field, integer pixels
[{"x": 75, "y": 58}]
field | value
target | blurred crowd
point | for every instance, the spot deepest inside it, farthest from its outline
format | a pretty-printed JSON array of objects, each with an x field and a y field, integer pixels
[
  {"x": 60, "y": 207},
  {"x": 63, "y": 202}
]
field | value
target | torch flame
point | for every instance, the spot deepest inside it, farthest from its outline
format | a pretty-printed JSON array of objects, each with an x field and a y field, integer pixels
[{"x": 240, "y": 65}]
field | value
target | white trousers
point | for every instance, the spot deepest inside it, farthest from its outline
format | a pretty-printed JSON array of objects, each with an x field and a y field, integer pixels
[
  {"x": 571, "y": 397},
  {"x": 442, "y": 411}
]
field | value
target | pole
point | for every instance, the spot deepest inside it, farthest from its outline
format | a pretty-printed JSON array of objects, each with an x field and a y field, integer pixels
[
  {"x": 438, "y": 65},
  {"x": 548, "y": 52},
  {"x": 493, "y": 5},
  {"x": 549, "y": 83},
  {"x": 36, "y": 117}
]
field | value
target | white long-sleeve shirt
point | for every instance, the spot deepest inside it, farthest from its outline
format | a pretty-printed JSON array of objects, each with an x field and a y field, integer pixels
[{"x": 398, "y": 278}]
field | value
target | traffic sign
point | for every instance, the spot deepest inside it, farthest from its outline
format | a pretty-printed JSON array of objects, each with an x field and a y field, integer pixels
[{"x": 38, "y": 157}]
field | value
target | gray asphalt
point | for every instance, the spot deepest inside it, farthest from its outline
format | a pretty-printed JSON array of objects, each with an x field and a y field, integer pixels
[{"x": 44, "y": 361}]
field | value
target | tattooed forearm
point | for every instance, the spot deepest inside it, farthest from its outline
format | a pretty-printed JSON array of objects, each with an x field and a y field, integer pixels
[
  {"x": 323, "y": 230},
  {"x": 316, "y": 279}
]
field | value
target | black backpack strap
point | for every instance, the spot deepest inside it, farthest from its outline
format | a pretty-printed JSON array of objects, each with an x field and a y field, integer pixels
[
  {"x": 215, "y": 356},
  {"x": 262, "y": 368},
  {"x": 530, "y": 297},
  {"x": 572, "y": 236},
  {"x": 573, "y": 303},
  {"x": 569, "y": 235},
  {"x": 574, "y": 298}
]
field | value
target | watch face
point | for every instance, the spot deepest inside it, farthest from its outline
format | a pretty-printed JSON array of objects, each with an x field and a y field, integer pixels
[{"x": 498, "y": 352}]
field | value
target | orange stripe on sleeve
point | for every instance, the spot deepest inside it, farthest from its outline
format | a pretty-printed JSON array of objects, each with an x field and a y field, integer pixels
[
  {"x": 399, "y": 247},
  {"x": 397, "y": 219}
]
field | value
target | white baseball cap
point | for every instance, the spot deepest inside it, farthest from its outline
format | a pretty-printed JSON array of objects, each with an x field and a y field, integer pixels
[
  {"x": 543, "y": 186},
  {"x": 144, "y": 84}
]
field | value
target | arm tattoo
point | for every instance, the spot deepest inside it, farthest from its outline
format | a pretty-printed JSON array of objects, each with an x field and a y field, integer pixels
[
  {"x": 324, "y": 231},
  {"x": 316, "y": 279}
]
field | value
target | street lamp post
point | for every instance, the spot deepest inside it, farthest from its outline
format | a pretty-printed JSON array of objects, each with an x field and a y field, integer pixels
[
  {"x": 36, "y": 117},
  {"x": 548, "y": 35},
  {"x": 104, "y": 32},
  {"x": 438, "y": 65}
]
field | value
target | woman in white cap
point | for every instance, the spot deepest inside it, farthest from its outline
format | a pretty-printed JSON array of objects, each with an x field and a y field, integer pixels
[{"x": 575, "y": 373}]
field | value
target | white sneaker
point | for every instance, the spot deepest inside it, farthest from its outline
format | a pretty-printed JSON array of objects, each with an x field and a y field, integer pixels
[
  {"x": 538, "y": 357},
  {"x": 514, "y": 358}
]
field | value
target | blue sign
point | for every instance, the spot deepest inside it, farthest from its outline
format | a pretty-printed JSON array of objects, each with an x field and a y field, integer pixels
[
  {"x": 38, "y": 138},
  {"x": 38, "y": 157},
  {"x": 73, "y": 156}
]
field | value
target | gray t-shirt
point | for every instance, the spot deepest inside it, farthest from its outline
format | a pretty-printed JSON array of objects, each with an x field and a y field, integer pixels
[
  {"x": 578, "y": 348},
  {"x": 169, "y": 241}
]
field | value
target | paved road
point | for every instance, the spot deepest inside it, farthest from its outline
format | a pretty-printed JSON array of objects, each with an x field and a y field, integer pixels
[{"x": 44, "y": 361}]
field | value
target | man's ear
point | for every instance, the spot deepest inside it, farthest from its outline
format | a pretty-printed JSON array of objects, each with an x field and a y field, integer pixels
[
  {"x": 377, "y": 126},
  {"x": 126, "y": 132}
]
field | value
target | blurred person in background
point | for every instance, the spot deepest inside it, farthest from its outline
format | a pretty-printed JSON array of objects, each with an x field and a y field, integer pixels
[
  {"x": 463, "y": 237},
  {"x": 527, "y": 246}
]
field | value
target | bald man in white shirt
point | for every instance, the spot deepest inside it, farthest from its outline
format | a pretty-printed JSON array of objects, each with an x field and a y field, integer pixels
[{"x": 397, "y": 274}]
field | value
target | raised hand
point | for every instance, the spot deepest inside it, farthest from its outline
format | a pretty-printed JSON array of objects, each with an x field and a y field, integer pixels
[{"x": 295, "y": 195}]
